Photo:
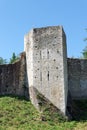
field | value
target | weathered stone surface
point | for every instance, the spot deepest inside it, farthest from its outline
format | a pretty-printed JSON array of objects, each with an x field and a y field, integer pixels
[
  {"x": 46, "y": 60},
  {"x": 13, "y": 78},
  {"x": 44, "y": 69},
  {"x": 77, "y": 78}
]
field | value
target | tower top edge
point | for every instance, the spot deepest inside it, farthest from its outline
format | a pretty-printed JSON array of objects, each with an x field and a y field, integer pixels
[
  {"x": 59, "y": 27},
  {"x": 49, "y": 27}
]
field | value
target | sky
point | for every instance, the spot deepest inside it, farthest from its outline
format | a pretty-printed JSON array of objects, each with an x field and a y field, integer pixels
[{"x": 18, "y": 17}]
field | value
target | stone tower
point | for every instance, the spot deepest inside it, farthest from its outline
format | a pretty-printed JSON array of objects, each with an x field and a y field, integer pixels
[{"x": 46, "y": 60}]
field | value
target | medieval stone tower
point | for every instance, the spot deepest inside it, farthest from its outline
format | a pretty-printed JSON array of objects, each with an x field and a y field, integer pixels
[
  {"x": 46, "y": 60},
  {"x": 42, "y": 70}
]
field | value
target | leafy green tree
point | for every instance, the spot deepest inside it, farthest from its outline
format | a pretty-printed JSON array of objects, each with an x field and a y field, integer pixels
[
  {"x": 2, "y": 61},
  {"x": 84, "y": 53},
  {"x": 85, "y": 39},
  {"x": 14, "y": 58}
]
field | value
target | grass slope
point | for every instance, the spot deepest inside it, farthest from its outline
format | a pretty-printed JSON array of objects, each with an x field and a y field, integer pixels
[{"x": 19, "y": 114}]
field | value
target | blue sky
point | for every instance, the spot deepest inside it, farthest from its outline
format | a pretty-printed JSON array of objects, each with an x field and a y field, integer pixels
[{"x": 17, "y": 17}]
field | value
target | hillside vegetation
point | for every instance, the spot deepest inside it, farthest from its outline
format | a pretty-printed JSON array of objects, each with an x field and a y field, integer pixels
[{"x": 19, "y": 114}]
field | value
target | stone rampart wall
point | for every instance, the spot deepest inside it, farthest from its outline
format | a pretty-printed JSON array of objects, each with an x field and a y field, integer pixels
[
  {"x": 77, "y": 78},
  {"x": 13, "y": 78}
]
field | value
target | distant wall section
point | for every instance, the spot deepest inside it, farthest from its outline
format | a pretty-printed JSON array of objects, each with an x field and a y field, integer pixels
[
  {"x": 13, "y": 78},
  {"x": 77, "y": 78}
]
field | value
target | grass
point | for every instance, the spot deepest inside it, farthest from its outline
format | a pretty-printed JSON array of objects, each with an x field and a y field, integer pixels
[{"x": 19, "y": 114}]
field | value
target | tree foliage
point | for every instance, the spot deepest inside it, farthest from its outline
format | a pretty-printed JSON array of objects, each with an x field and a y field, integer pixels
[
  {"x": 2, "y": 61},
  {"x": 85, "y": 39},
  {"x": 14, "y": 58},
  {"x": 84, "y": 52}
]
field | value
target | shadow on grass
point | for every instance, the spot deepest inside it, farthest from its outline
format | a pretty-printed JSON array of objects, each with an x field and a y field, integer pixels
[{"x": 80, "y": 110}]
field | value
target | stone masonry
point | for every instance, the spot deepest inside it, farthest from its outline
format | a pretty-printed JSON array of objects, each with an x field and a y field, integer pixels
[
  {"x": 77, "y": 78},
  {"x": 46, "y": 60},
  {"x": 45, "y": 69},
  {"x": 13, "y": 78}
]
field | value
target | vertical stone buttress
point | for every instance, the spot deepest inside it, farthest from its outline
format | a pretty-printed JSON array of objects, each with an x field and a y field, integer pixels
[{"x": 46, "y": 59}]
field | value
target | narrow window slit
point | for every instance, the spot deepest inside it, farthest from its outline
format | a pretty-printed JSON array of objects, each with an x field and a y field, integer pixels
[
  {"x": 48, "y": 54},
  {"x": 48, "y": 75},
  {"x": 40, "y": 54},
  {"x": 40, "y": 76}
]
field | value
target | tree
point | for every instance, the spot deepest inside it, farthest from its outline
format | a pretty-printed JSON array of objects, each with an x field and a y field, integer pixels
[
  {"x": 2, "y": 61},
  {"x": 14, "y": 58},
  {"x": 84, "y": 52},
  {"x": 85, "y": 39}
]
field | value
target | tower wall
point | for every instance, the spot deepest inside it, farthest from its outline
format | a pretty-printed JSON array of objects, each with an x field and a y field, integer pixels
[{"x": 46, "y": 59}]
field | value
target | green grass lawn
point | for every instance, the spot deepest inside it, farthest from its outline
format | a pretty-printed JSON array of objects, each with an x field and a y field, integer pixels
[{"x": 19, "y": 114}]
